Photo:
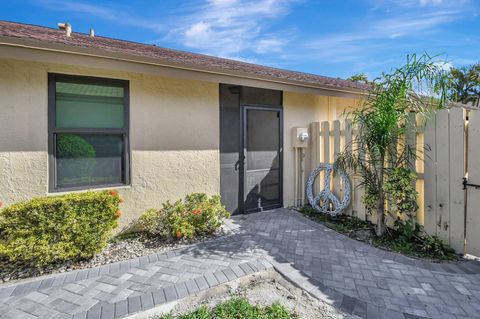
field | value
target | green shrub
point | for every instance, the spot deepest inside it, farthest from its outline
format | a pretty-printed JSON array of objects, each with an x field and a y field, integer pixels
[
  {"x": 58, "y": 228},
  {"x": 80, "y": 153},
  {"x": 400, "y": 186},
  {"x": 406, "y": 236},
  {"x": 196, "y": 215},
  {"x": 410, "y": 236},
  {"x": 73, "y": 146}
]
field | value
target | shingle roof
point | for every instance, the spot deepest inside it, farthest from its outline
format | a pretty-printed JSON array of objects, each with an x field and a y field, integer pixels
[{"x": 114, "y": 46}]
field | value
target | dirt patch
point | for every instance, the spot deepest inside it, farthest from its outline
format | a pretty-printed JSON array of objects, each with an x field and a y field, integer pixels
[{"x": 262, "y": 288}]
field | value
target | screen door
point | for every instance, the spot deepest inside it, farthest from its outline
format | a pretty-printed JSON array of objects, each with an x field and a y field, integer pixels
[{"x": 262, "y": 151}]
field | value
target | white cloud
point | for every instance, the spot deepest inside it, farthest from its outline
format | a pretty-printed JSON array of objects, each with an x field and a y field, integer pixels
[
  {"x": 249, "y": 30},
  {"x": 444, "y": 65},
  {"x": 227, "y": 28},
  {"x": 411, "y": 23},
  {"x": 422, "y": 3},
  {"x": 427, "y": 2},
  {"x": 269, "y": 45},
  {"x": 122, "y": 17},
  {"x": 232, "y": 27}
]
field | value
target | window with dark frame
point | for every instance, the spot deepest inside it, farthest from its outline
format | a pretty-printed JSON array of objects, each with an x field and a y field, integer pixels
[{"x": 88, "y": 132}]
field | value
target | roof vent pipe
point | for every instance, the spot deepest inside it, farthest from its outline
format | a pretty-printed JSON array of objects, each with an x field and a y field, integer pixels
[
  {"x": 67, "y": 27},
  {"x": 92, "y": 33}
]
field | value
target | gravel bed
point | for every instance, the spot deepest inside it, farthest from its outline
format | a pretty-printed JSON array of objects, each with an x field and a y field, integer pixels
[
  {"x": 117, "y": 250},
  {"x": 262, "y": 289}
]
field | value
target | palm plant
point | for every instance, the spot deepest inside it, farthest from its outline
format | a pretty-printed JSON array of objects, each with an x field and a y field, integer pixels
[
  {"x": 379, "y": 146},
  {"x": 466, "y": 84}
]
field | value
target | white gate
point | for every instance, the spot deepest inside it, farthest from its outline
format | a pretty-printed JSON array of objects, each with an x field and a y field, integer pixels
[
  {"x": 472, "y": 238},
  {"x": 452, "y": 169}
]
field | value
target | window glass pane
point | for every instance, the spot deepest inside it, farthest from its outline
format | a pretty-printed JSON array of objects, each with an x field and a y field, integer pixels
[
  {"x": 89, "y": 159},
  {"x": 258, "y": 96},
  {"x": 80, "y": 105}
]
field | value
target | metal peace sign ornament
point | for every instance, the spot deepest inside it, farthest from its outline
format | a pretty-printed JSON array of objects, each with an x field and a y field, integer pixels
[{"x": 326, "y": 197}]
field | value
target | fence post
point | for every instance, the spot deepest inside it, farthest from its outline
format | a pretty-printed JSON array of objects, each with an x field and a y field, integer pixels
[
  {"x": 443, "y": 175},
  {"x": 473, "y": 195},
  {"x": 457, "y": 172}
]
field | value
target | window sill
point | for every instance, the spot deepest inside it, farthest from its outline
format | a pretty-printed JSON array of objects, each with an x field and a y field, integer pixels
[{"x": 82, "y": 189}]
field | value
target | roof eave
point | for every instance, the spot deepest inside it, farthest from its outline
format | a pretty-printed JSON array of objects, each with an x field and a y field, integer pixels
[{"x": 99, "y": 53}]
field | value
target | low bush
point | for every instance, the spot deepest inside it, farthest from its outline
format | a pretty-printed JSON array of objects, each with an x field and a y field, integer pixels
[
  {"x": 405, "y": 237},
  {"x": 58, "y": 228},
  {"x": 196, "y": 215},
  {"x": 409, "y": 238}
]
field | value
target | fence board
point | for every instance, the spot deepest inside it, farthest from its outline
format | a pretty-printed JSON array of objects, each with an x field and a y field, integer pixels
[
  {"x": 411, "y": 138},
  {"x": 430, "y": 184},
  {"x": 325, "y": 140},
  {"x": 336, "y": 150},
  {"x": 325, "y": 147},
  {"x": 457, "y": 172},
  {"x": 348, "y": 146},
  {"x": 359, "y": 192},
  {"x": 443, "y": 175},
  {"x": 315, "y": 152},
  {"x": 473, "y": 195}
]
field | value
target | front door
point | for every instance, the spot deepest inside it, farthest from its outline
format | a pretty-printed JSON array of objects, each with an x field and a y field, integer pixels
[
  {"x": 262, "y": 154},
  {"x": 250, "y": 148}
]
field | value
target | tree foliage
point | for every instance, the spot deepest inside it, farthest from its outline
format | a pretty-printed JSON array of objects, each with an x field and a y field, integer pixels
[
  {"x": 465, "y": 86},
  {"x": 379, "y": 147},
  {"x": 360, "y": 77}
]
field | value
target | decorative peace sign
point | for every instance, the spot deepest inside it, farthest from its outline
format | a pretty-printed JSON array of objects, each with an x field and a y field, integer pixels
[{"x": 326, "y": 197}]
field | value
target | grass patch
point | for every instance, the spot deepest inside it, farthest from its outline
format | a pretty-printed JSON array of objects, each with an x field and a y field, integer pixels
[
  {"x": 406, "y": 239},
  {"x": 237, "y": 308}
]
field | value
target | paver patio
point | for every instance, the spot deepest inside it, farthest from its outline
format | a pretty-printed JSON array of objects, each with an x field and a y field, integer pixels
[{"x": 355, "y": 277}]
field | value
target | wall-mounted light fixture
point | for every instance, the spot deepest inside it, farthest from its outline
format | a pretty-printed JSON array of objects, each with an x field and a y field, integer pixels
[
  {"x": 303, "y": 137},
  {"x": 300, "y": 137}
]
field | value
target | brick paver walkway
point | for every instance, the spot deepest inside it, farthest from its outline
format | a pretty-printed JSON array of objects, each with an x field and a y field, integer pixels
[{"x": 354, "y": 277}]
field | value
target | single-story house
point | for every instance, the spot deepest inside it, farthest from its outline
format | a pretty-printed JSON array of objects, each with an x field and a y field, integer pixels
[{"x": 80, "y": 111}]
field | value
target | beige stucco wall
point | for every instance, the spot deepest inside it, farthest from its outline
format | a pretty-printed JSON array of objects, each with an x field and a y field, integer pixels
[
  {"x": 174, "y": 135},
  {"x": 299, "y": 111}
]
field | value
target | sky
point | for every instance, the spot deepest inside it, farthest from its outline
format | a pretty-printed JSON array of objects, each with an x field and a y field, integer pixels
[{"x": 332, "y": 38}]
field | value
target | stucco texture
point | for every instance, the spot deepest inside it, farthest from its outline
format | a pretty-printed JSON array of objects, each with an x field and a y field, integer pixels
[{"x": 174, "y": 135}]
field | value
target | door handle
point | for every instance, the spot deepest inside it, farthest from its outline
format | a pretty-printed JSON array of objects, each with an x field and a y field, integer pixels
[{"x": 240, "y": 161}]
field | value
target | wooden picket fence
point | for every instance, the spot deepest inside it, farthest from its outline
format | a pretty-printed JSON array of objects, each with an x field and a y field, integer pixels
[
  {"x": 328, "y": 139},
  {"x": 445, "y": 157}
]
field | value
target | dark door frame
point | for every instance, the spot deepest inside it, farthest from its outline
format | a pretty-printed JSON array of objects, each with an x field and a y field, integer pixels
[{"x": 243, "y": 127}]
